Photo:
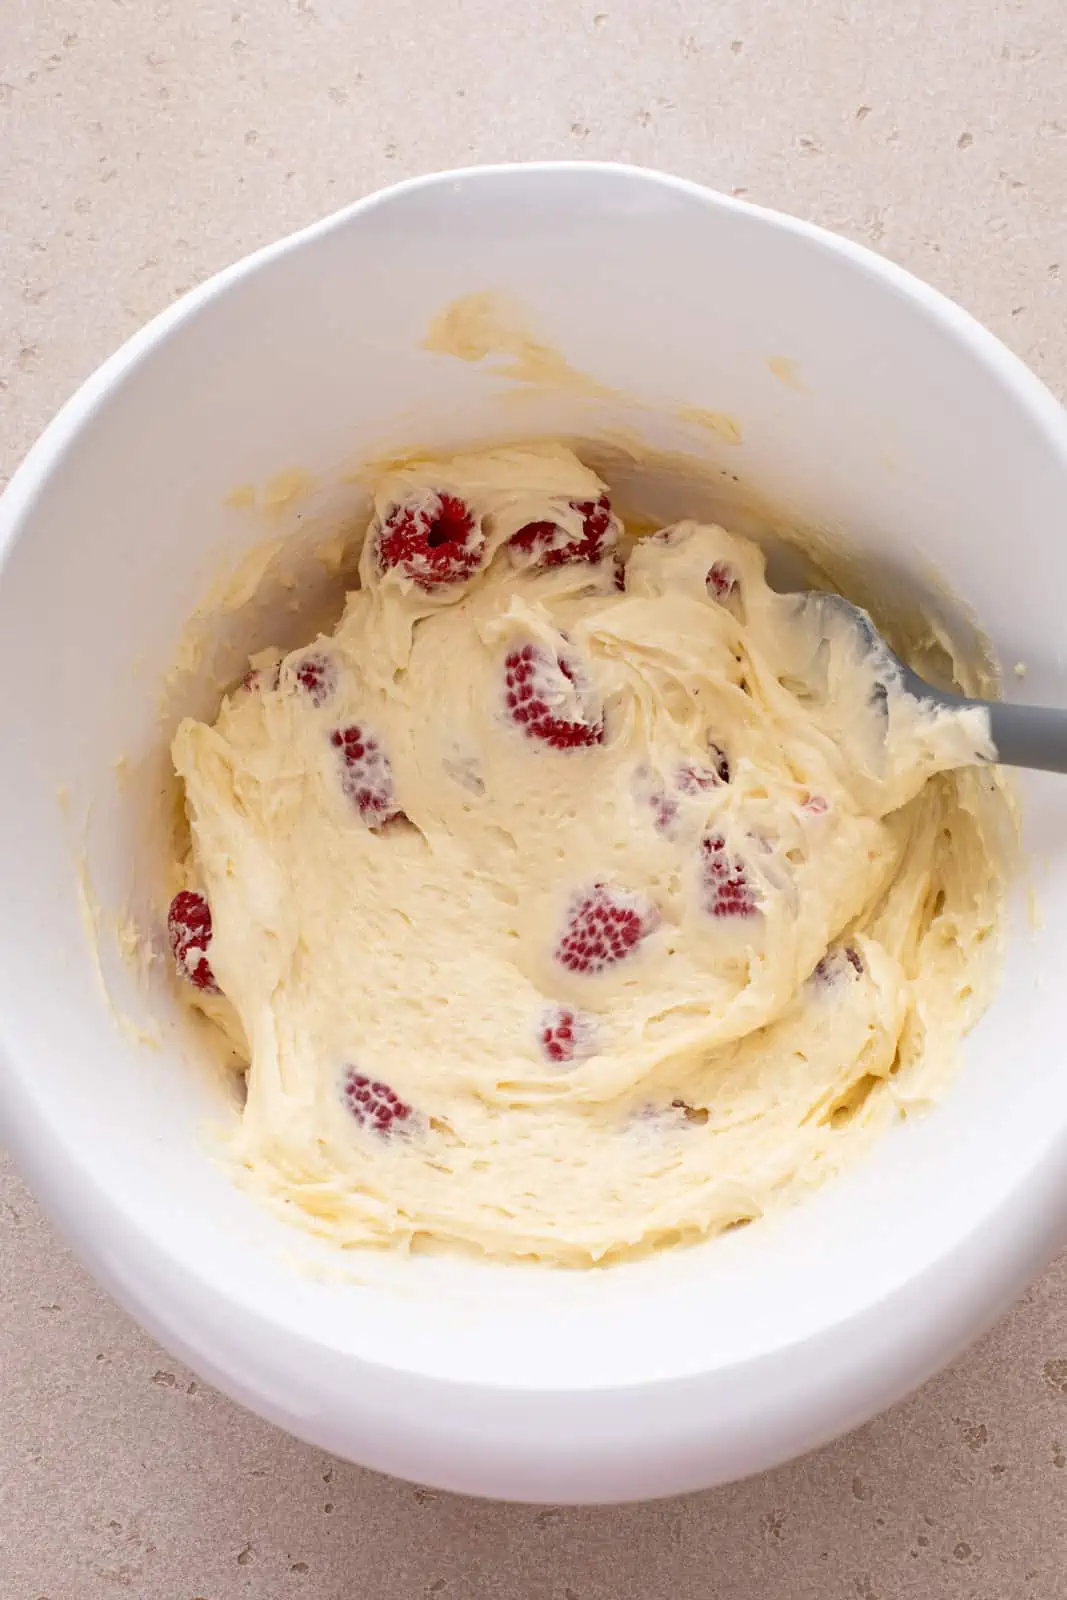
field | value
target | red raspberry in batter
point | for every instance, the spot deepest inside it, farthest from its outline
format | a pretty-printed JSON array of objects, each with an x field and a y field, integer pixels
[
  {"x": 434, "y": 540},
  {"x": 692, "y": 779},
  {"x": 664, "y": 810},
  {"x": 189, "y": 931},
  {"x": 722, "y": 581},
  {"x": 689, "y": 779},
  {"x": 567, "y": 1035},
  {"x": 374, "y": 1105},
  {"x": 366, "y": 775},
  {"x": 549, "y": 698},
  {"x": 542, "y": 542},
  {"x": 604, "y": 926},
  {"x": 257, "y": 680},
  {"x": 727, "y": 890},
  {"x": 649, "y": 789},
  {"x": 316, "y": 674}
]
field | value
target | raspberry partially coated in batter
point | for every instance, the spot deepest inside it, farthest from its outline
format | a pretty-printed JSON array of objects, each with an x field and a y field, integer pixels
[
  {"x": 604, "y": 926},
  {"x": 316, "y": 673},
  {"x": 374, "y": 1105},
  {"x": 664, "y": 810},
  {"x": 841, "y": 962},
  {"x": 257, "y": 680},
  {"x": 566, "y": 1035},
  {"x": 548, "y": 697},
  {"x": 189, "y": 932},
  {"x": 722, "y": 581},
  {"x": 366, "y": 774},
  {"x": 817, "y": 805},
  {"x": 650, "y": 790},
  {"x": 541, "y": 543},
  {"x": 692, "y": 779},
  {"x": 689, "y": 779},
  {"x": 727, "y": 889},
  {"x": 435, "y": 541}
]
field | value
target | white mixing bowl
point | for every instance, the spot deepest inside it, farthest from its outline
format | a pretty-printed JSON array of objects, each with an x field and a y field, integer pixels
[{"x": 865, "y": 402}]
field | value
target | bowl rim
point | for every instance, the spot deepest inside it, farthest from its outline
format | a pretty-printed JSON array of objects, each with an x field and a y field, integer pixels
[{"x": 647, "y": 1438}]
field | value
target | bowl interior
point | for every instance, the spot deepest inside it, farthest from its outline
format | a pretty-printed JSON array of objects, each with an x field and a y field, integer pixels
[{"x": 856, "y": 402}]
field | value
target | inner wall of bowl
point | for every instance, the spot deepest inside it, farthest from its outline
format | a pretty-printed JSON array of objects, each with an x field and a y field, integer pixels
[{"x": 893, "y": 433}]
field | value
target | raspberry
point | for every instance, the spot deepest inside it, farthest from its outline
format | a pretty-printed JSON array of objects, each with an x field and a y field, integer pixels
[
  {"x": 664, "y": 810},
  {"x": 816, "y": 804},
  {"x": 567, "y": 1035},
  {"x": 700, "y": 780},
  {"x": 841, "y": 962},
  {"x": 721, "y": 580},
  {"x": 257, "y": 680},
  {"x": 434, "y": 541},
  {"x": 189, "y": 931},
  {"x": 366, "y": 775},
  {"x": 689, "y": 779},
  {"x": 549, "y": 698},
  {"x": 604, "y": 925},
  {"x": 373, "y": 1104},
  {"x": 727, "y": 891},
  {"x": 317, "y": 676},
  {"x": 540, "y": 541},
  {"x": 649, "y": 790}
]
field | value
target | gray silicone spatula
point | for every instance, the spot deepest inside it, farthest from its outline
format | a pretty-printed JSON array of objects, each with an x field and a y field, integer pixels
[{"x": 1023, "y": 736}]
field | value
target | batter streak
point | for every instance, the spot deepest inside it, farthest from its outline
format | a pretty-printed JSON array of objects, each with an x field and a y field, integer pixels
[{"x": 567, "y": 908}]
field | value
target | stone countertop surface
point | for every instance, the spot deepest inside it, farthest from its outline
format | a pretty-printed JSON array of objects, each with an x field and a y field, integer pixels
[{"x": 143, "y": 145}]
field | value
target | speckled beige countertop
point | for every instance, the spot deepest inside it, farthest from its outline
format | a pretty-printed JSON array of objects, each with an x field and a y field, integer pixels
[{"x": 143, "y": 145}]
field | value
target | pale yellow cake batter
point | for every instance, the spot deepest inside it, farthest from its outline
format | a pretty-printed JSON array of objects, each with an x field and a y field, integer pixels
[{"x": 563, "y": 919}]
